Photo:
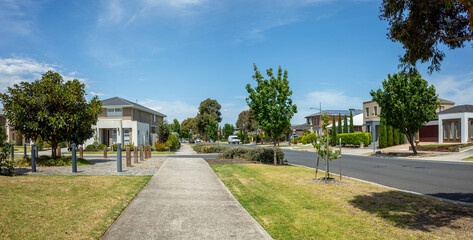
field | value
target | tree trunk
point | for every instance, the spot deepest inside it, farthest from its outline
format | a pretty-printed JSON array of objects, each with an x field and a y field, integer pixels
[
  {"x": 410, "y": 138},
  {"x": 317, "y": 166},
  {"x": 274, "y": 153},
  {"x": 469, "y": 8},
  {"x": 53, "y": 149}
]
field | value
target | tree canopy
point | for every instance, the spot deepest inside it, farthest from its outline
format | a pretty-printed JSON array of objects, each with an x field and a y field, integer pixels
[
  {"x": 407, "y": 102},
  {"x": 227, "y": 130},
  {"x": 421, "y": 26},
  {"x": 186, "y": 125},
  {"x": 272, "y": 104},
  {"x": 175, "y": 126},
  {"x": 208, "y": 109},
  {"x": 52, "y": 109},
  {"x": 246, "y": 121}
]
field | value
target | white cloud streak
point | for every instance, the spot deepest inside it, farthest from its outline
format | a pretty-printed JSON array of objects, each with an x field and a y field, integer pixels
[{"x": 455, "y": 88}]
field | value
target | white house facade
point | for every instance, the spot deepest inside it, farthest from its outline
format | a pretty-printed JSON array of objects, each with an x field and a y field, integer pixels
[
  {"x": 126, "y": 122},
  {"x": 456, "y": 124}
]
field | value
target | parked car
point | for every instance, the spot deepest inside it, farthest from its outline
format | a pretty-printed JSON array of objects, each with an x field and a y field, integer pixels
[
  {"x": 233, "y": 140},
  {"x": 191, "y": 141},
  {"x": 198, "y": 140}
]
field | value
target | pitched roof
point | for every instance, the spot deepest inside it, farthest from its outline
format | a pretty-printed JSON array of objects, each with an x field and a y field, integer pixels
[
  {"x": 300, "y": 126},
  {"x": 336, "y": 112},
  {"x": 445, "y": 101},
  {"x": 120, "y": 102},
  {"x": 458, "y": 109}
]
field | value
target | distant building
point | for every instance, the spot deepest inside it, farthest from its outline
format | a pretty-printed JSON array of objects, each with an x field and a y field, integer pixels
[
  {"x": 357, "y": 123},
  {"x": 126, "y": 122},
  {"x": 315, "y": 120}
]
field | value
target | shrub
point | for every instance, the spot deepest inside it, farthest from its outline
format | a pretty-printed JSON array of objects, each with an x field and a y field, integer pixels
[
  {"x": 101, "y": 146},
  {"x": 383, "y": 138},
  {"x": 355, "y": 138},
  {"x": 234, "y": 153},
  {"x": 390, "y": 135},
  {"x": 265, "y": 155},
  {"x": 160, "y": 146},
  {"x": 396, "y": 136},
  {"x": 173, "y": 142},
  {"x": 90, "y": 147},
  {"x": 209, "y": 148},
  {"x": 62, "y": 144}
]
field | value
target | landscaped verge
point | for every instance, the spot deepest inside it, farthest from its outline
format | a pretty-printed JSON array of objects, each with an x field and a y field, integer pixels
[
  {"x": 63, "y": 207},
  {"x": 290, "y": 204}
]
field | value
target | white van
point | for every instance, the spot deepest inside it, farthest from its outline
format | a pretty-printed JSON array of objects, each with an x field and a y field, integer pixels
[{"x": 233, "y": 140}]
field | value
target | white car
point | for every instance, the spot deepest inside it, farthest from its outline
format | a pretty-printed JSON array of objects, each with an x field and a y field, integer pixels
[{"x": 233, "y": 140}]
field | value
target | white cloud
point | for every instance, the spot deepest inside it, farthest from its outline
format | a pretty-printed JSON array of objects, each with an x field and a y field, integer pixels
[
  {"x": 455, "y": 88},
  {"x": 96, "y": 94},
  {"x": 16, "y": 70}
]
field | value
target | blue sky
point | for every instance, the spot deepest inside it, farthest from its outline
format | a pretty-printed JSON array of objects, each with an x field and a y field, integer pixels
[{"x": 171, "y": 55}]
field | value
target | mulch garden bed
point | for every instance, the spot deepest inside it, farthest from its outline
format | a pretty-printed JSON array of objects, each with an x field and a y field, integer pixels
[{"x": 212, "y": 161}]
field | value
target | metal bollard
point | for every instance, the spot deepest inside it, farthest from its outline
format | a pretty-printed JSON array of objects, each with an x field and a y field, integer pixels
[
  {"x": 25, "y": 152},
  {"x": 13, "y": 152},
  {"x": 81, "y": 152},
  {"x": 105, "y": 152},
  {"x": 119, "y": 157},
  {"x": 135, "y": 153},
  {"x": 33, "y": 158},
  {"x": 74, "y": 158}
]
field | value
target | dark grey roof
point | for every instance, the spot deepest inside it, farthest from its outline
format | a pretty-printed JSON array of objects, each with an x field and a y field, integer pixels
[
  {"x": 458, "y": 109},
  {"x": 117, "y": 101},
  {"x": 445, "y": 101},
  {"x": 300, "y": 126},
  {"x": 336, "y": 112}
]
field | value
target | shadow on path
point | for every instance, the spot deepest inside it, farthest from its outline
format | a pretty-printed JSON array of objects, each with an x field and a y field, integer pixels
[{"x": 415, "y": 212}]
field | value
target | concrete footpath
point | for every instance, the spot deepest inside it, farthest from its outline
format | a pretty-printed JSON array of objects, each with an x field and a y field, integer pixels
[{"x": 185, "y": 200}]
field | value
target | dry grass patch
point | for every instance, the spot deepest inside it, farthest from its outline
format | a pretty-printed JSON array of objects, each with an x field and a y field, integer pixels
[
  {"x": 63, "y": 207},
  {"x": 290, "y": 204}
]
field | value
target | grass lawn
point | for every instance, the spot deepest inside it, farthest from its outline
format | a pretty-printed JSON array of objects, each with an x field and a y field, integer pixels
[
  {"x": 439, "y": 145},
  {"x": 63, "y": 207},
  {"x": 468, "y": 158},
  {"x": 290, "y": 204},
  {"x": 304, "y": 147}
]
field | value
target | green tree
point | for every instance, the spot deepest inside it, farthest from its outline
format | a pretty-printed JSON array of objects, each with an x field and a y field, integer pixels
[
  {"x": 272, "y": 104},
  {"x": 345, "y": 124},
  {"x": 172, "y": 142},
  {"x": 383, "y": 134},
  {"x": 407, "y": 102},
  {"x": 57, "y": 111},
  {"x": 242, "y": 136},
  {"x": 390, "y": 134},
  {"x": 402, "y": 138},
  {"x": 333, "y": 139},
  {"x": 187, "y": 126},
  {"x": 212, "y": 129},
  {"x": 6, "y": 164},
  {"x": 175, "y": 126},
  {"x": 395, "y": 136},
  {"x": 208, "y": 109},
  {"x": 352, "y": 128},
  {"x": 339, "y": 127},
  {"x": 163, "y": 131},
  {"x": 228, "y": 130},
  {"x": 422, "y": 26},
  {"x": 246, "y": 121},
  {"x": 322, "y": 146}
]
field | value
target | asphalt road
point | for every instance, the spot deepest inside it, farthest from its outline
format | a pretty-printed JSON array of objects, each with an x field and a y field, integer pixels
[{"x": 450, "y": 180}]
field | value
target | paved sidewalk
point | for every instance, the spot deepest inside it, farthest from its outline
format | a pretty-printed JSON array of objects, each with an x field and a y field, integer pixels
[
  {"x": 185, "y": 200},
  {"x": 185, "y": 149}
]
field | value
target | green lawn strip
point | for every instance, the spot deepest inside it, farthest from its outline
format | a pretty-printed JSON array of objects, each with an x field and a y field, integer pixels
[
  {"x": 304, "y": 147},
  {"x": 115, "y": 153},
  {"x": 438, "y": 145},
  {"x": 468, "y": 158},
  {"x": 289, "y": 205},
  {"x": 63, "y": 207}
]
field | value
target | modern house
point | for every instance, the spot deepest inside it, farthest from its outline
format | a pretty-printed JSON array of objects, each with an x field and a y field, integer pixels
[
  {"x": 456, "y": 124},
  {"x": 357, "y": 123},
  {"x": 427, "y": 133},
  {"x": 126, "y": 122},
  {"x": 315, "y": 120}
]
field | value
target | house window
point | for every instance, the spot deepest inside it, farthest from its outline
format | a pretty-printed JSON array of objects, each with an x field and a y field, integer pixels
[
  {"x": 452, "y": 127},
  {"x": 367, "y": 112},
  {"x": 114, "y": 136},
  {"x": 458, "y": 130},
  {"x": 154, "y": 118},
  {"x": 441, "y": 108},
  {"x": 114, "y": 112},
  {"x": 375, "y": 110},
  {"x": 471, "y": 129},
  {"x": 318, "y": 121},
  {"x": 368, "y": 130},
  {"x": 126, "y": 136},
  {"x": 445, "y": 131}
]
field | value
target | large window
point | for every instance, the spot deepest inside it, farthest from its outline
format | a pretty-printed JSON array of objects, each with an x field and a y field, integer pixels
[
  {"x": 471, "y": 128},
  {"x": 445, "y": 131},
  {"x": 114, "y": 112},
  {"x": 375, "y": 110},
  {"x": 114, "y": 136},
  {"x": 452, "y": 127},
  {"x": 458, "y": 130},
  {"x": 126, "y": 136},
  {"x": 367, "y": 111}
]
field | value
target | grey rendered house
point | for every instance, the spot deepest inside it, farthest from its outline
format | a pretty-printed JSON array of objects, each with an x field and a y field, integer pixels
[{"x": 126, "y": 122}]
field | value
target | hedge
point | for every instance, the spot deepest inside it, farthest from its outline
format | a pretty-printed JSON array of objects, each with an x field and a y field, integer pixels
[
  {"x": 259, "y": 154},
  {"x": 234, "y": 153},
  {"x": 355, "y": 138},
  {"x": 209, "y": 148}
]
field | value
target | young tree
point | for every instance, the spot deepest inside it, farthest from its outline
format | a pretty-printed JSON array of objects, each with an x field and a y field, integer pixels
[
  {"x": 322, "y": 146},
  {"x": 227, "y": 130},
  {"x": 383, "y": 134},
  {"x": 211, "y": 129},
  {"x": 53, "y": 109},
  {"x": 352, "y": 128},
  {"x": 390, "y": 134},
  {"x": 246, "y": 121},
  {"x": 421, "y": 26},
  {"x": 163, "y": 131},
  {"x": 339, "y": 127},
  {"x": 333, "y": 139},
  {"x": 345, "y": 124},
  {"x": 272, "y": 104},
  {"x": 407, "y": 102}
]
